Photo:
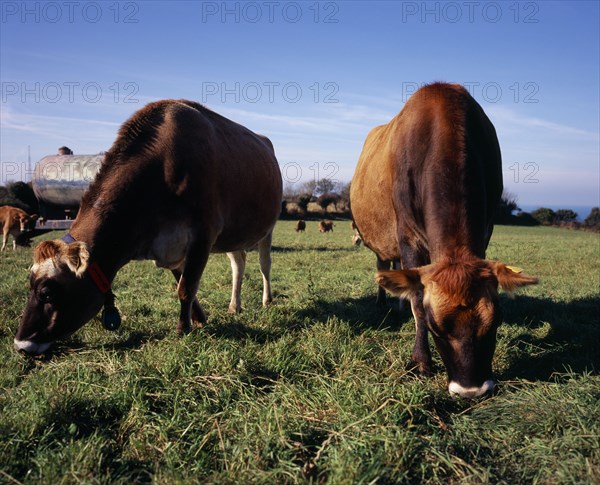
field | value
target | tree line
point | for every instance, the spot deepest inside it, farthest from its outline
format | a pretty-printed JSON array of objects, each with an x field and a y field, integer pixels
[
  {"x": 20, "y": 195},
  {"x": 543, "y": 216},
  {"x": 315, "y": 198}
]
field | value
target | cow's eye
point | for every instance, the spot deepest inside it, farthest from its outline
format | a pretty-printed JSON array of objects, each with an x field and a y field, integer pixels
[{"x": 46, "y": 295}]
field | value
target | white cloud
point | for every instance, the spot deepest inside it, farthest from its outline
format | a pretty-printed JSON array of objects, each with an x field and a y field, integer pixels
[{"x": 509, "y": 119}]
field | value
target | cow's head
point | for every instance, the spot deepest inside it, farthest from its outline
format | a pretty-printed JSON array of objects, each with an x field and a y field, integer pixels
[
  {"x": 23, "y": 220},
  {"x": 61, "y": 298},
  {"x": 461, "y": 309}
]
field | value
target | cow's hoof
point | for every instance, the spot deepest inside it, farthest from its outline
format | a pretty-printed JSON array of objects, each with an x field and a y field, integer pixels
[
  {"x": 422, "y": 369},
  {"x": 198, "y": 314},
  {"x": 183, "y": 328}
]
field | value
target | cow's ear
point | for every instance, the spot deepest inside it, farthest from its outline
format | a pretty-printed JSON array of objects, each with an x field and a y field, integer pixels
[
  {"x": 404, "y": 283},
  {"x": 511, "y": 278},
  {"x": 46, "y": 250},
  {"x": 77, "y": 258}
]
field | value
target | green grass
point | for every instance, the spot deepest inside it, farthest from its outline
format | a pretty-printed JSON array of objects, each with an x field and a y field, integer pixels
[{"x": 313, "y": 389}]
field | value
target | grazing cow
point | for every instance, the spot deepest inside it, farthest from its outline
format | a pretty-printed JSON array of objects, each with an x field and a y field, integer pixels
[
  {"x": 356, "y": 239},
  {"x": 423, "y": 195},
  {"x": 14, "y": 221},
  {"x": 300, "y": 226},
  {"x": 179, "y": 182},
  {"x": 326, "y": 226}
]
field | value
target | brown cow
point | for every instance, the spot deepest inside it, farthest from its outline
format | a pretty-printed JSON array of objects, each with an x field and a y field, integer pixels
[
  {"x": 326, "y": 226},
  {"x": 14, "y": 221},
  {"x": 423, "y": 195},
  {"x": 179, "y": 182},
  {"x": 300, "y": 226}
]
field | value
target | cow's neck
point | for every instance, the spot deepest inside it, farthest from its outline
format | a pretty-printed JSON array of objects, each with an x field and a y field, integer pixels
[
  {"x": 456, "y": 233},
  {"x": 107, "y": 239}
]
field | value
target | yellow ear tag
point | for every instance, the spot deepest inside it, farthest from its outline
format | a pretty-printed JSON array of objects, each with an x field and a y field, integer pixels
[{"x": 515, "y": 269}]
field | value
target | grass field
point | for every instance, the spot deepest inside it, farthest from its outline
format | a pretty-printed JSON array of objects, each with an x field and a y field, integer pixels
[{"x": 313, "y": 389}]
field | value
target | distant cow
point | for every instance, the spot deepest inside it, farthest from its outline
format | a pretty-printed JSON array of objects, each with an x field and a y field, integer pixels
[
  {"x": 424, "y": 194},
  {"x": 300, "y": 226},
  {"x": 14, "y": 221},
  {"x": 326, "y": 226},
  {"x": 179, "y": 182},
  {"x": 356, "y": 239}
]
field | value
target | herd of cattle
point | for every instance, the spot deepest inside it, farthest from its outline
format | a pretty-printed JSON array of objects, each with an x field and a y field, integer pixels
[
  {"x": 181, "y": 181},
  {"x": 326, "y": 226}
]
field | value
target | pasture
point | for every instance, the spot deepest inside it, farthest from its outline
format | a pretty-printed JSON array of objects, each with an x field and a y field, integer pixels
[{"x": 314, "y": 389}]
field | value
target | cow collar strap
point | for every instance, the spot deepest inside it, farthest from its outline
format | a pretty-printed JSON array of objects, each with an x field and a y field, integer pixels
[
  {"x": 94, "y": 271},
  {"x": 111, "y": 320}
]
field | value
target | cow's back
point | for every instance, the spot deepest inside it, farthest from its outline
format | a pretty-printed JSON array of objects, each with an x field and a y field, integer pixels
[
  {"x": 178, "y": 165},
  {"x": 432, "y": 176}
]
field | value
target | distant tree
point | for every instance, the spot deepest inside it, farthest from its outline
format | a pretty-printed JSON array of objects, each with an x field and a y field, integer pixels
[
  {"x": 343, "y": 188},
  {"x": 325, "y": 186},
  {"x": 565, "y": 215},
  {"x": 290, "y": 192},
  {"x": 308, "y": 187},
  {"x": 327, "y": 199},
  {"x": 544, "y": 215},
  {"x": 524, "y": 219},
  {"x": 507, "y": 205},
  {"x": 592, "y": 221},
  {"x": 7, "y": 197},
  {"x": 23, "y": 193},
  {"x": 303, "y": 201},
  {"x": 505, "y": 208}
]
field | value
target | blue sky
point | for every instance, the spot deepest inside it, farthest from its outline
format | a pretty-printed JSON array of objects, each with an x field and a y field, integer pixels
[{"x": 313, "y": 76}]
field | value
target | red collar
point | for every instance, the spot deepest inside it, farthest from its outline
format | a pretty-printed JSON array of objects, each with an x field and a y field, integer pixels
[{"x": 94, "y": 271}]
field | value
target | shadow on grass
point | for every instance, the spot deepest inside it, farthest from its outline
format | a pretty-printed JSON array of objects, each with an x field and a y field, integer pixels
[
  {"x": 361, "y": 313},
  {"x": 239, "y": 331},
  {"x": 571, "y": 343},
  {"x": 281, "y": 249},
  {"x": 133, "y": 340}
]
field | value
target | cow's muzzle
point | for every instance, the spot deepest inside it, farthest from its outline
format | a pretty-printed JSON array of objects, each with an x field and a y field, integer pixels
[
  {"x": 472, "y": 392},
  {"x": 32, "y": 348}
]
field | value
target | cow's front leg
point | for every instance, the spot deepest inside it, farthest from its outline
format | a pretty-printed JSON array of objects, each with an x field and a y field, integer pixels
[
  {"x": 264, "y": 258},
  {"x": 421, "y": 355},
  {"x": 238, "y": 265},
  {"x": 381, "y": 295},
  {"x": 198, "y": 314}
]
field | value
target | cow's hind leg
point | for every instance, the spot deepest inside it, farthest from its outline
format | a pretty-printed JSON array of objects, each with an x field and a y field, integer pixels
[
  {"x": 198, "y": 314},
  {"x": 238, "y": 265},
  {"x": 264, "y": 257},
  {"x": 4, "y": 240}
]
